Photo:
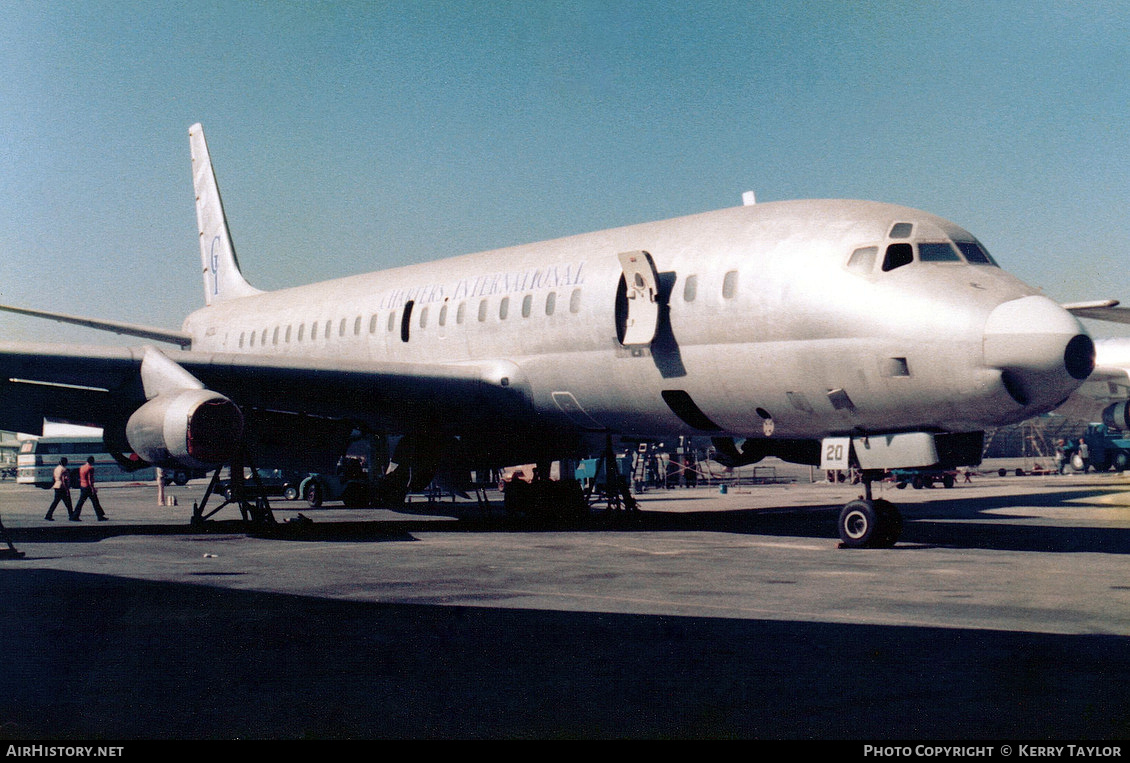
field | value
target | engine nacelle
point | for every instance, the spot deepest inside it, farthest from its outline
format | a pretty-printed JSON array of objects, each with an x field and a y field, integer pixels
[
  {"x": 1117, "y": 416},
  {"x": 197, "y": 428}
]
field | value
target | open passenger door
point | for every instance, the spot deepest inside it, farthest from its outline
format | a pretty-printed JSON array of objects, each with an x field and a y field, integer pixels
[{"x": 641, "y": 318}]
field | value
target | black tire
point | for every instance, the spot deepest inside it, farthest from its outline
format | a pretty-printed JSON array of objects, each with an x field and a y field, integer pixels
[
  {"x": 890, "y": 520},
  {"x": 918, "y": 482},
  {"x": 290, "y": 492},
  {"x": 180, "y": 478},
  {"x": 948, "y": 481},
  {"x": 1121, "y": 461},
  {"x": 313, "y": 495},
  {"x": 859, "y": 524}
]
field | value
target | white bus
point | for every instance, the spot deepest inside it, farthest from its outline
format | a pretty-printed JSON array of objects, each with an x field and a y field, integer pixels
[{"x": 37, "y": 459}]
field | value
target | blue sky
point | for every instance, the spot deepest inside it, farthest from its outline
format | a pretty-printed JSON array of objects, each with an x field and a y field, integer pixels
[{"x": 349, "y": 137}]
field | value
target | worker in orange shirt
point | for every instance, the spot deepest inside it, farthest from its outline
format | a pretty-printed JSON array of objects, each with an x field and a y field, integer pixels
[{"x": 87, "y": 490}]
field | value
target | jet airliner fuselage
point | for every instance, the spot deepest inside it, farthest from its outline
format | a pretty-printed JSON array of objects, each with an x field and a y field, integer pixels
[{"x": 767, "y": 321}]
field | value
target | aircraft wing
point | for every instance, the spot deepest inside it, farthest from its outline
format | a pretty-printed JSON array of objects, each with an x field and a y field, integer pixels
[
  {"x": 1101, "y": 310},
  {"x": 95, "y": 385}
]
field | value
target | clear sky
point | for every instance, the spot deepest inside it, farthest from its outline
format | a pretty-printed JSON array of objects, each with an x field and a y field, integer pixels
[{"x": 350, "y": 137}]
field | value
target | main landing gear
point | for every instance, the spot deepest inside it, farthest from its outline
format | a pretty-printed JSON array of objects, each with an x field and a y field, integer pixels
[{"x": 869, "y": 522}]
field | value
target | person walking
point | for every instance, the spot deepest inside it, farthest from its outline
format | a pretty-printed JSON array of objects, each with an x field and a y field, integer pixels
[
  {"x": 62, "y": 486},
  {"x": 87, "y": 490}
]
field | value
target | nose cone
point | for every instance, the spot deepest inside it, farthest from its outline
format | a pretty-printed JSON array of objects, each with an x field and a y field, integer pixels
[{"x": 1042, "y": 351}]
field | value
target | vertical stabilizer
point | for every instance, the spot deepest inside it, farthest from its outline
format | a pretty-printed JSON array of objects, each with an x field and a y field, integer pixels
[{"x": 222, "y": 279}]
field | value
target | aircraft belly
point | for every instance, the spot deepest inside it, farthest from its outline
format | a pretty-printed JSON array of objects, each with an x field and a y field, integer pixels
[{"x": 778, "y": 389}]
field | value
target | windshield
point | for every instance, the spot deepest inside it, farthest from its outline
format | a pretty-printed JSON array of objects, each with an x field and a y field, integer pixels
[{"x": 975, "y": 254}]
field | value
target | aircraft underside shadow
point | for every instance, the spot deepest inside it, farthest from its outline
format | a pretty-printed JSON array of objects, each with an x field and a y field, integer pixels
[{"x": 334, "y": 669}]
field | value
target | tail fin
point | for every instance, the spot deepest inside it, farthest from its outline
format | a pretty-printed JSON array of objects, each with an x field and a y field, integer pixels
[{"x": 222, "y": 278}]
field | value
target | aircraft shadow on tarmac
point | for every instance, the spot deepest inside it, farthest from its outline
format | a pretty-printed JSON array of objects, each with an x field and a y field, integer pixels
[
  {"x": 948, "y": 519},
  {"x": 91, "y": 656}
]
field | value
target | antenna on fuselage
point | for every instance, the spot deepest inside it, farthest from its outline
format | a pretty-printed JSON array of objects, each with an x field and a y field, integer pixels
[{"x": 749, "y": 198}]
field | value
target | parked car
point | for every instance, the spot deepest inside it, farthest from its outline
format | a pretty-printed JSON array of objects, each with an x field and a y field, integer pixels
[{"x": 275, "y": 483}]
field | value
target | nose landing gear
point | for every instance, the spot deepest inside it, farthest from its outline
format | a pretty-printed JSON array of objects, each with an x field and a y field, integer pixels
[{"x": 869, "y": 523}]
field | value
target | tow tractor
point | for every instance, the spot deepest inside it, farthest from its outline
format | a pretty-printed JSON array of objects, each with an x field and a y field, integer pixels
[
  {"x": 1106, "y": 448},
  {"x": 920, "y": 478}
]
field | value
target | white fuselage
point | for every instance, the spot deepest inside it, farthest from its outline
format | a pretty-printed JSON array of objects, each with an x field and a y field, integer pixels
[{"x": 764, "y": 325}]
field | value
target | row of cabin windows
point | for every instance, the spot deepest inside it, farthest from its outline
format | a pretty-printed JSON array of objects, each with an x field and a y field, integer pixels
[
  {"x": 690, "y": 292},
  {"x": 729, "y": 286},
  {"x": 273, "y": 336}
]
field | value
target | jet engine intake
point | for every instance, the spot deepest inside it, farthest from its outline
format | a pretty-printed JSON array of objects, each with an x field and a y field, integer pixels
[
  {"x": 197, "y": 428},
  {"x": 1117, "y": 416}
]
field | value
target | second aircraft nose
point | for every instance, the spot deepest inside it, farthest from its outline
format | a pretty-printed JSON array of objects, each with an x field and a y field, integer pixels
[{"x": 1043, "y": 352}]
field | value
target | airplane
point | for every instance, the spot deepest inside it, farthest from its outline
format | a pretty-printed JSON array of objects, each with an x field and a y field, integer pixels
[{"x": 835, "y": 333}]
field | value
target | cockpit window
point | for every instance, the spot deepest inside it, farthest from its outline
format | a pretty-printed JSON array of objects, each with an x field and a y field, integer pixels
[
  {"x": 863, "y": 260},
  {"x": 897, "y": 256},
  {"x": 939, "y": 252},
  {"x": 901, "y": 230},
  {"x": 975, "y": 253}
]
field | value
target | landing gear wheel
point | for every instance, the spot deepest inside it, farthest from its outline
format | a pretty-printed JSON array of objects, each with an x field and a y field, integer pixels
[
  {"x": 890, "y": 522},
  {"x": 869, "y": 524},
  {"x": 313, "y": 495}
]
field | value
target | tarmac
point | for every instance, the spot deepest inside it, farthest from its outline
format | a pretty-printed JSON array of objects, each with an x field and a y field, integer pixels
[{"x": 1002, "y": 614}]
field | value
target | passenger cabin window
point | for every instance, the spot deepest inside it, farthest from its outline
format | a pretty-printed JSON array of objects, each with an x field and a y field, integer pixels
[
  {"x": 897, "y": 256},
  {"x": 357, "y": 326},
  {"x": 423, "y": 317},
  {"x": 443, "y": 315},
  {"x": 863, "y": 260},
  {"x": 461, "y": 313},
  {"x": 550, "y": 302},
  {"x": 690, "y": 289},
  {"x": 527, "y": 305},
  {"x": 575, "y": 301},
  {"x": 373, "y": 323},
  {"x": 901, "y": 230},
  {"x": 482, "y": 311},
  {"x": 730, "y": 284},
  {"x": 940, "y": 252},
  {"x": 975, "y": 254}
]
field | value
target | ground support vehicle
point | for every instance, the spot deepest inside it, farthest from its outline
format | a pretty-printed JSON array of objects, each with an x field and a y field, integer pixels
[
  {"x": 920, "y": 478},
  {"x": 1106, "y": 449}
]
